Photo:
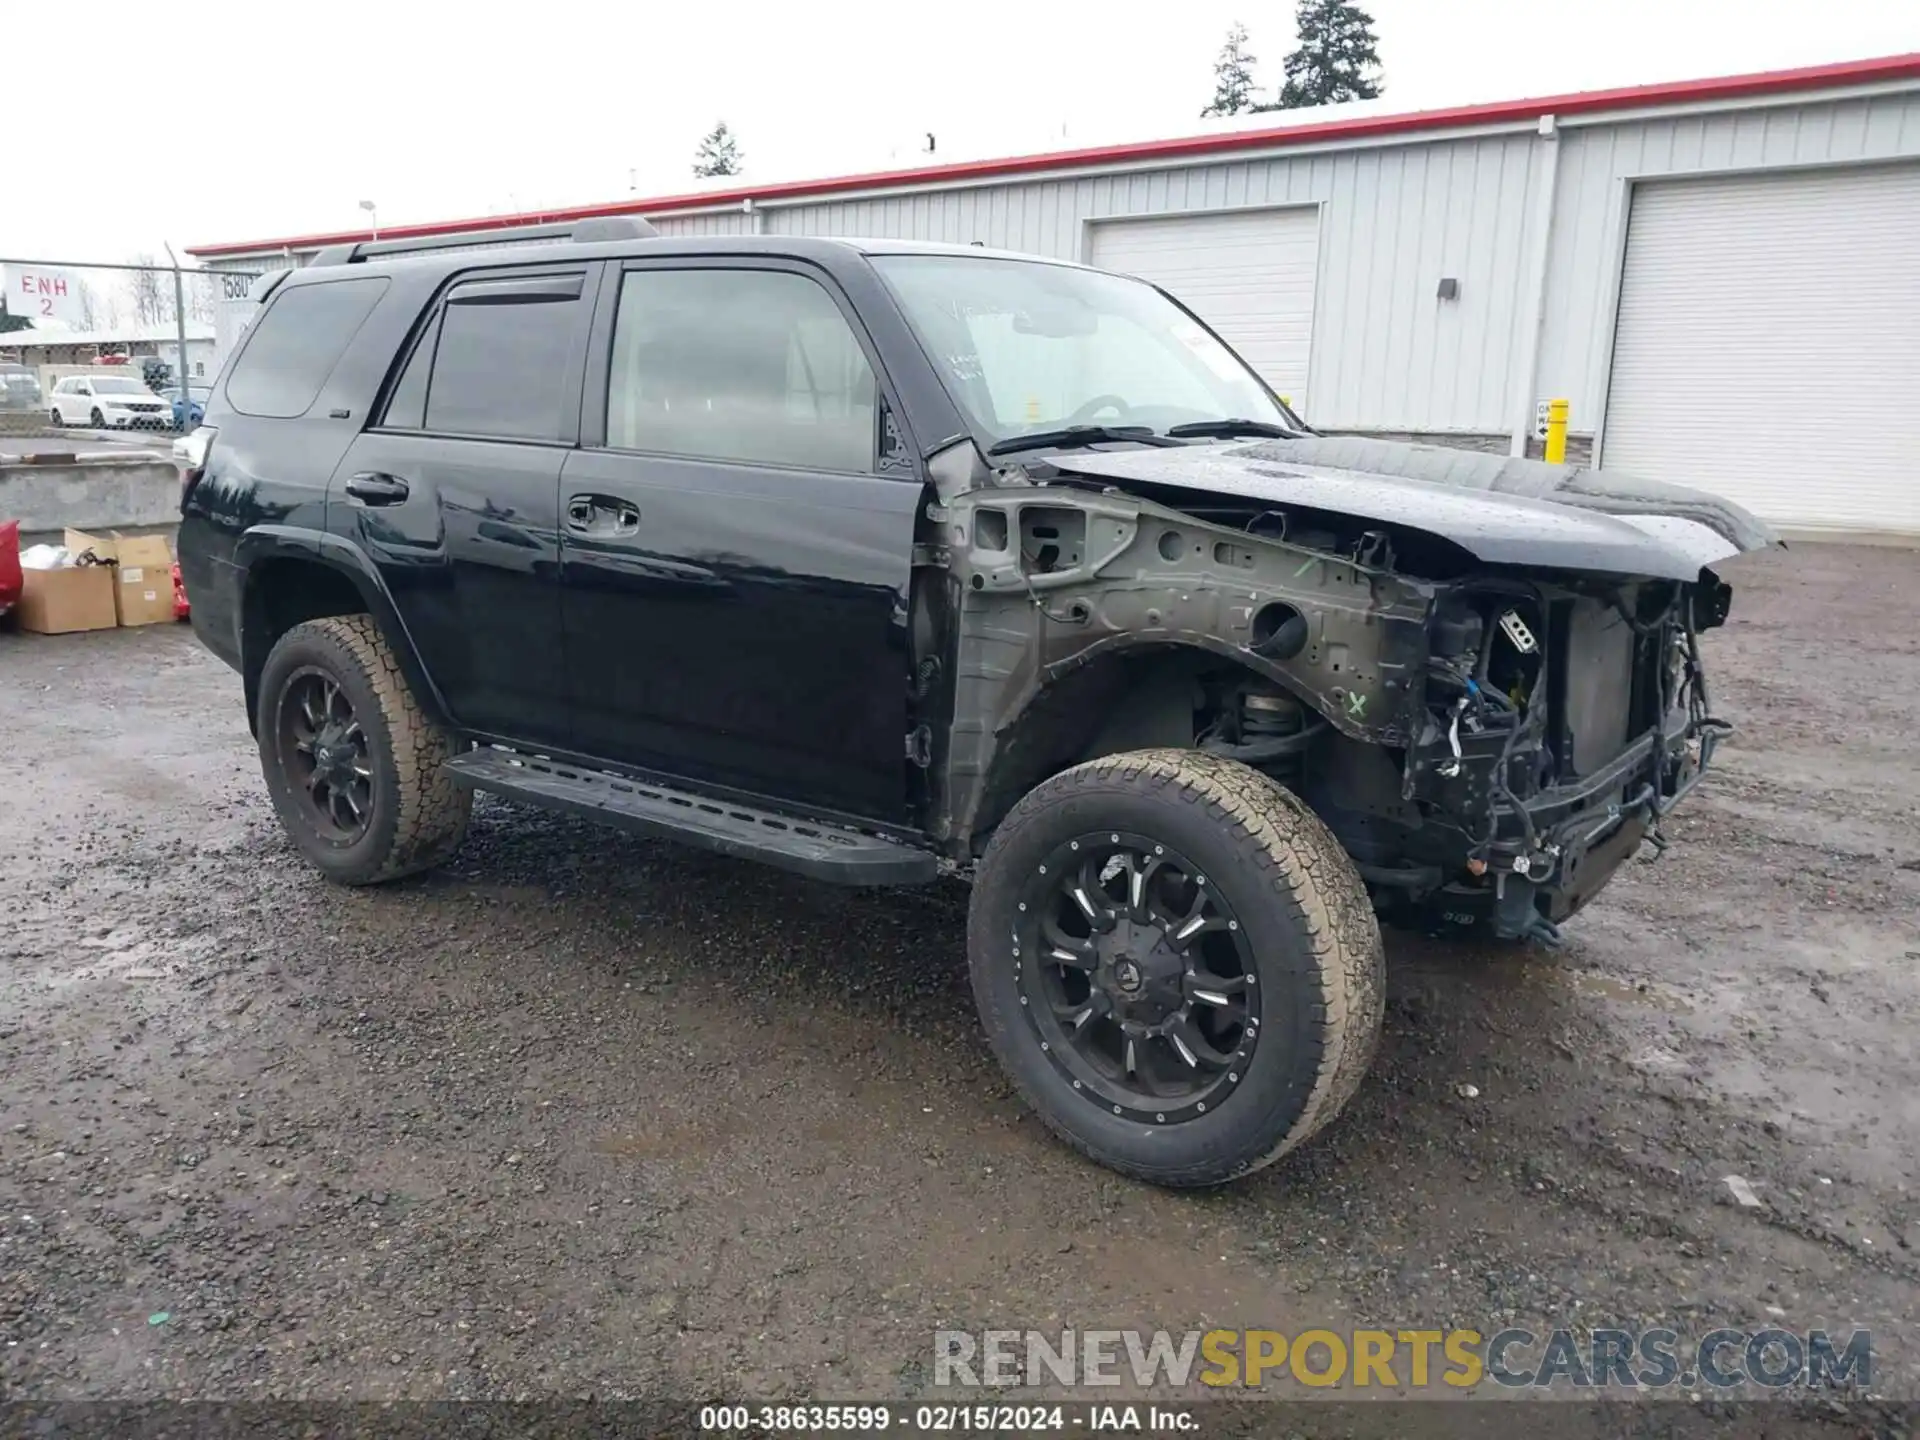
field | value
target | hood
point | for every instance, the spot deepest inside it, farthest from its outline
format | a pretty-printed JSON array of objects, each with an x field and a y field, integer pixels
[{"x": 1500, "y": 510}]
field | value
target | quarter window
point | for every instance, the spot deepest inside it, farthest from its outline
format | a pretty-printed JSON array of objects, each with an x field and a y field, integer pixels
[
  {"x": 295, "y": 345},
  {"x": 752, "y": 366}
]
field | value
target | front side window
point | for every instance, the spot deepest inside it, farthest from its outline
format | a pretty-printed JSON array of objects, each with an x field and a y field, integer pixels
[
  {"x": 1026, "y": 346},
  {"x": 119, "y": 387},
  {"x": 750, "y": 366}
]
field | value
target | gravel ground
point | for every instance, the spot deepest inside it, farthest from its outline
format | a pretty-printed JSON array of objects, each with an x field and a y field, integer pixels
[{"x": 586, "y": 1115}]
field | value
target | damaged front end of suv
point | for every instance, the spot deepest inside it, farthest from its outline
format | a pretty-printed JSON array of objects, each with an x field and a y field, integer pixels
[{"x": 1484, "y": 675}]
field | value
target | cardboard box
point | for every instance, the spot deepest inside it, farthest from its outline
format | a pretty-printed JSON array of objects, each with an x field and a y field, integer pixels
[
  {"x": 77, "y": 597},
  {"x": 143, "y": 583}
]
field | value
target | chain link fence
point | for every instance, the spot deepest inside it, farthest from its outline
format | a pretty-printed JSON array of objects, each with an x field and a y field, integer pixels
[{"x": 93, "y": 350}]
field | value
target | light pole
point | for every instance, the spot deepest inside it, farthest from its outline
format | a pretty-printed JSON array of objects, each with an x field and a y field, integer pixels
[{"x": 374, "y": 216}]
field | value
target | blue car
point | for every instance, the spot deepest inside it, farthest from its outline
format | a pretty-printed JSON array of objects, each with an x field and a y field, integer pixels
[{"x": 188, "y": 408}]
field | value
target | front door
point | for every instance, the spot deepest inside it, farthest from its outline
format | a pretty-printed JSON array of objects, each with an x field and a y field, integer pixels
[
  {"x": 454, "y": 492},
  {"x": 738, "y": 540}
]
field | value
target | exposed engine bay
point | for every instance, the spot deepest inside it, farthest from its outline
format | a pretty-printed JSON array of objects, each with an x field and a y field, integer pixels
[{"x": 1489, "y": 742}]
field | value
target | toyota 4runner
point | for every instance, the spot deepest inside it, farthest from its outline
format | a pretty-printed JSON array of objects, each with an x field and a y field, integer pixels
[{"x": 883, "y": 561}]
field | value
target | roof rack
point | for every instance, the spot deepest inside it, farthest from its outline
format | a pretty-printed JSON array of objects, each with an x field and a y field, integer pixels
[{"x": 580, "y": 232}]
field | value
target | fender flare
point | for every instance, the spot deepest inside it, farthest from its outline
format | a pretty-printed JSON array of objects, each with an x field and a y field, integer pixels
[{"x": 261, "y": 543}]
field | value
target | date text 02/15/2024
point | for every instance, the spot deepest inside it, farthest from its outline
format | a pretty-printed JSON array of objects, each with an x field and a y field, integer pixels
[{"x": 944, "y": 1419}]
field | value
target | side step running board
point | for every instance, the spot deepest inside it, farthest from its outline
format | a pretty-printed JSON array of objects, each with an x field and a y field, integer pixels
[{"x": 821, "y": 852}]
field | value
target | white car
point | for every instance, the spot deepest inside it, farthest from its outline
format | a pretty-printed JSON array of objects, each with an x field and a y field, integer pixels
[{"x": 108, "y": 401}]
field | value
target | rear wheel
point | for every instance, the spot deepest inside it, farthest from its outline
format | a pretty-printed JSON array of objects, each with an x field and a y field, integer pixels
[
  {"x": 1177, "y": 963},
  {"x": 353, "y": 766},
  {"x": 55, "y": 418}
]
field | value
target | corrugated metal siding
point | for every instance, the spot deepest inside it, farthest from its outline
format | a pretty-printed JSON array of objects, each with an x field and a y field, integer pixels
[
  {"x": 1386, "y": 352},
  {"x": 261, "y": 264},
  {"x": 719, "y": 222},
  {"x": 1589, "y": 206}
]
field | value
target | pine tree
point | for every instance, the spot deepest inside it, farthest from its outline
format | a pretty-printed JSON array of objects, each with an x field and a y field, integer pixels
[
  {"x": 1232, "y": 76},
  {"x": 719, "y": 153},
  {"x": 1338, "y": 58},
  {"x": 9, "y": 321}
]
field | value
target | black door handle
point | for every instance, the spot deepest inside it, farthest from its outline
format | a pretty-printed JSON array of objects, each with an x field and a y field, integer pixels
[{"x": 373, "y": 487}]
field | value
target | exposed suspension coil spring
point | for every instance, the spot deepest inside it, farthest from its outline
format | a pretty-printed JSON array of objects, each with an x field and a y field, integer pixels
[{"x": 1274, "y": 723}]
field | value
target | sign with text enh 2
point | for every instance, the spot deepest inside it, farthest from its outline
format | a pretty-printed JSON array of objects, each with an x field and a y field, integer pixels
[{"x": 42, "y": 293}]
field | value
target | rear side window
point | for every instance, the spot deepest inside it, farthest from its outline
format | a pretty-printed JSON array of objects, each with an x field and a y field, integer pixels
[
  {"x": 296, "y": 343},
  {"x": 497, "y": 359}
]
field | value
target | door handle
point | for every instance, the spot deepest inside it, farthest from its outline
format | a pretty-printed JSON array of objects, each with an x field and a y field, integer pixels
[
  {"x": 602, "y": 515},
  {"x": 372, "y": 487}
]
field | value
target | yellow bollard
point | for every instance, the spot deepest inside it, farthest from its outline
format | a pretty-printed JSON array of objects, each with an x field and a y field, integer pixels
[{"x": 1556, "y": 447}]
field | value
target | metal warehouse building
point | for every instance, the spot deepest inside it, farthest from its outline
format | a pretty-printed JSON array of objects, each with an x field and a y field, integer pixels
[{"x": 1722, "y": 276}]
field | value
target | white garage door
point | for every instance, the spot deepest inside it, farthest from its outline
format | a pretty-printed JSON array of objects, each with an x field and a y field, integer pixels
[
  {"x": 1768, "y": 345},
  {"x": 1249, "y": 275}
]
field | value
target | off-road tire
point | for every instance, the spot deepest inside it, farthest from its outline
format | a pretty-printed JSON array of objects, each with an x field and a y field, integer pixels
[
  {"x": 419, "y": 815},
  {"x": 1304, "y": 908}
]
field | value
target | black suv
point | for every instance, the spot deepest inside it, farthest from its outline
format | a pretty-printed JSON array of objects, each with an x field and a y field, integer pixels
[{"x": 884, "y": 561}]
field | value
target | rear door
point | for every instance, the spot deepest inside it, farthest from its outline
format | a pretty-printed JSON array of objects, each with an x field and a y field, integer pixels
[
  {"x": 738, "y": 538},
  {"x": 454, "y": 492}
]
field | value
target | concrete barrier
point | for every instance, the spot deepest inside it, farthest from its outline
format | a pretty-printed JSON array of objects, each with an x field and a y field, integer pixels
[{"x": 90, "y": 492}]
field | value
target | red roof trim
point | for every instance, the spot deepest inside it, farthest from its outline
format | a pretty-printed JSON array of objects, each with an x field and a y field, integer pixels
[{"x": 1731, "y": 87}]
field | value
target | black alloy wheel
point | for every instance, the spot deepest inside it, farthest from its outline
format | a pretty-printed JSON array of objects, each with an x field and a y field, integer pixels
[
  {"x": 323, "y": 748},
  {"x": 1137, "y": 976}
]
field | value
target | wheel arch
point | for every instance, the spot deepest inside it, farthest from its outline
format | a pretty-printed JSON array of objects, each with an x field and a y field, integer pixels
[
  {"x": 291, "y": 576},
  {"x": 1135, "y": 692}
]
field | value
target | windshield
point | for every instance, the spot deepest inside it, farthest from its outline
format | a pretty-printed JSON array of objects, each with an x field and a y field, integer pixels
[
  {"x": 1026, "y": 347},
  {"x": 119, "y": 387}
]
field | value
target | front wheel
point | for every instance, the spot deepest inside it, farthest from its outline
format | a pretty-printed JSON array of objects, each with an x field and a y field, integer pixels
[
  {"x": 1177, "y": 963},
  {"x": 353, "y": 766}
]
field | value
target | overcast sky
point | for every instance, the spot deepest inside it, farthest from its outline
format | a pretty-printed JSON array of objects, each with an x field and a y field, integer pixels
[{"x": 287, "y": 116}]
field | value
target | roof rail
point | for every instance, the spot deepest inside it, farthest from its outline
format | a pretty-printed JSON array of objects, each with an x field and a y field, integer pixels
[{"x": 585, "y": 232}]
